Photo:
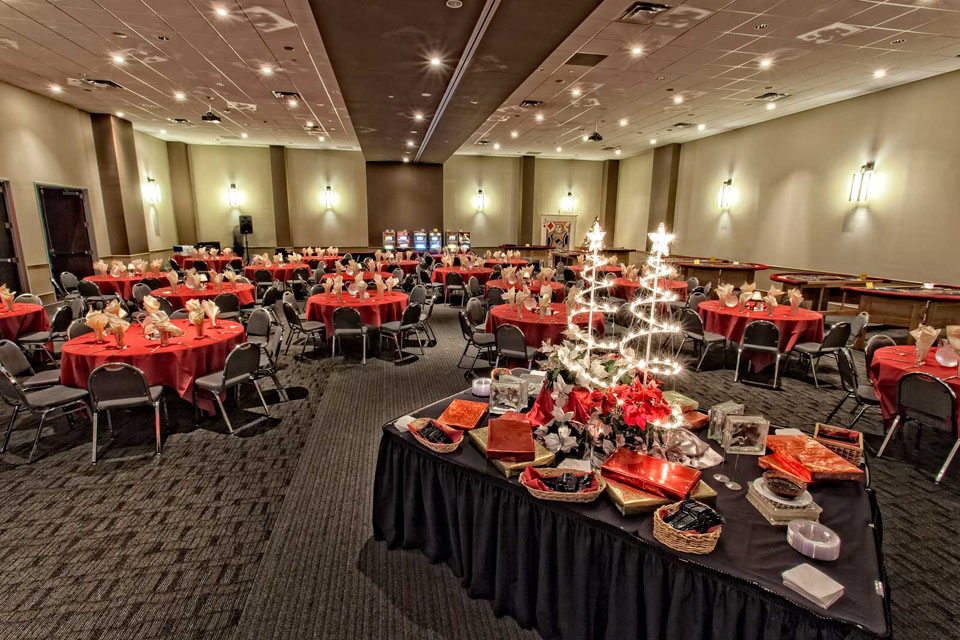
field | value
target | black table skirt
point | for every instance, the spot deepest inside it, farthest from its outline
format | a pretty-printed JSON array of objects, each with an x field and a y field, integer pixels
[{"x": 584, "y": 571}]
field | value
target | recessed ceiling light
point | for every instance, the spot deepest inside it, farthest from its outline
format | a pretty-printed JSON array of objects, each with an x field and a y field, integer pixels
[
  {"x": 636, "y": 51},
  {"x": 409, "y": 143},
  {"x": 771, "y": 106},
  {"x": 406, "y": 159},
  {"x": 576, "y": 92},
  {"x": 309, "y": 124},
  {"x": 454, "y": 4},
  {"x": 765, "y": 63},
  {"x": 879, "y": 73},
  {"x": 221, "y": 12},
  {"x": 119, "y": 114},
  {"x": 677, "y": 99},
  {"x": 559, "y": 149},
  {"x": 539, "y": 117},
  {"x": 163, "y": 131},
  {"x": 435, "y": 62},
  {"x": 418, "y": 116},
  {"x": 701, "y": 127},
  {"x": 427, "y": 95},
  {"x": 179, "y": 95},
  {"x": 585, "y": 138},
  {"x": 321, "y": 138},
  {"x": 243, "y": 135},
  {"x": 653, "y": 141},
  {"x": 265, "y": 70},
  {"x": 616, "y": 152},
  {"x": 293, "y": 103},
  {"x": 496, "y": 146},
  {"x": 56, "y": 88},
  {"x": 119, "y": 59},
  {"x": 514, "y": 134},
  {"x": 623, "y": 122}
]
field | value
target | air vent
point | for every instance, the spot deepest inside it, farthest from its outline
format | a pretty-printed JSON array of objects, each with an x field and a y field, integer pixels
[
  {"x": 533, "y": 153},
  {"x": 642, "y": 12},
  {"x": 770, "y": 96},
  {"x": 482, "y": 142},
  {"x": 179, "y": 120},
  {"x": 531, "y": 103},
  {"x": 682, "y": 125},
  {"x": 101, "y": 84},
  {"x": 585, "y": 59},
  {"x": 287, "y": 95},
  {"x": 344, "y": 147}
]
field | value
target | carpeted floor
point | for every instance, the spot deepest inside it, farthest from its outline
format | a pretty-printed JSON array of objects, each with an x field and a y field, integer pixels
[{"x": 266, "y": 535}]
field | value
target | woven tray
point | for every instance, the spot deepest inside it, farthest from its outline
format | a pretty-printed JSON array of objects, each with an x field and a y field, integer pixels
[
  {"x": 852, "y": 453},
  {"x": 559, "y": 496},
  {"x": 685, "y": 541},
  {"x": 433, "y": 446}
]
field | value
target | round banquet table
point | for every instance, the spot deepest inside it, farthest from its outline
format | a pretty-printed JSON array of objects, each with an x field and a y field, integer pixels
[
  {"x": 246, "y": 293},
  {"x": 213, "y": 264},
  {"x": 538, "y": 330},
  {"x": 534, "y": 285},
  {"x": 578, "y": 269},
  {"x": 892, "y": 363},
  {"x": 282, "y": 273},
  {"x": 480, "y": 273},
  {"x": 506, "y": 263},
  {"x": 805, "y": 326},
  {"x": 25, "y": 318},
  {"x": 176, "y": 365},
  {"x": 374, "y": 310},
  {"x": 408, "y": 266},
  {"x": 627, "y": 289},
  {"x": 367, "y": 275},
  {"x": 122, "y": 285}
]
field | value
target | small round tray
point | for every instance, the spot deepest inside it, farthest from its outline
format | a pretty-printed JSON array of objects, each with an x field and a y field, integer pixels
[{"x": 802, "y": 501}]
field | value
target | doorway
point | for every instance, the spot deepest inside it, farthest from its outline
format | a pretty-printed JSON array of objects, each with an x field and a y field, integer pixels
[
  {"x": 67, "y": 230},
  {"x": 11, "y": 266}
]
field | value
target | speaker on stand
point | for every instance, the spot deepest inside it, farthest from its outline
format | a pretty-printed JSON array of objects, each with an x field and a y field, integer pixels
[{"x": 246, "y": 228}]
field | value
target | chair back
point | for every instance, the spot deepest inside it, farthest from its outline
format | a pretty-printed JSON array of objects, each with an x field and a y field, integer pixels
[
  {"x": 179, "y": 314},
  {"x": 695, "y": 299},
  {"x": 227, "y": 302},
  {"x": 140, "y": 291},
  {"x": 569, "y": 275},
  {"x": 848, "y": 370},
  {"x": 88, "y": 289},
  {"x": 301, "y": 273},
  {"x": 495, "y": 296},
  {"x": 398, "y": 274},
  {"x": 411, "y": 316},
  {"x": 236, "y": 264},
  {"x": 165, "y": 306},
  {"x": 58, "y": 291},
  {"x": 408, "y": 283},
  {"x": 61, "y": 319},
  {"x": 926, "y": 399},
  {"x": 77, "y": 328},
  {"x": 316, "y": 289},
  {"x": 475, "y": 311},
  {"x": 473, "y": 287},
  {"x": 346, "y": 259},
  {"x": 418, "y": 294},
  {"x": 761, "y": 333},
  {"x": 69, "y": 281},
  {"x": 75, "y": 302},
  {"x": 313, "y": 263},
  {"x": 262, "y": 276},
  {"x": 465, "y": 329},
  {"x": 497, "y": 270},
  {"x": 346, "y": 318},
  {"x": 258, "y": 324},
  {"x": 453, "y": 278},
  {"x": 876, "y": 342},
  {"x": 153, "y": 283},
  {"x": 200, "y": 265},
  {"x": 806, "y": 304},
  {"x": 13, "y": 360},
  {"x": 10, "y": 389},
  {"x": 29, "y": 298},
  {"x": 691, "y": 322},
  {"x": 270, "y": 297},
  {"x": 290, "y": 314},
  {"x": 117, "y": 381},
  {"x": 859, "y": 324},
  {"x": 837, "y": 336},
  {"x": 173, "y": 264},
  {"x": 511, "y": 341},
  {"x": 242, "y": 363},
  {"x": 299, "y": 289},
  {"x": 623, "y": 317},
  {"x": 424, "y": 276},
  {"x": 706, "y": 288},
  {"x": 692, "y": 283}
]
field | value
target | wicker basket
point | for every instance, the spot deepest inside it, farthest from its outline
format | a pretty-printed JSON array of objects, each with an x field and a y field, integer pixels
[
  {"x": 433, "y": 446},
  {"x": 559, "y": 496},
  {"x": 852, "y": 453},
  {"x": 685, "y": 541}
]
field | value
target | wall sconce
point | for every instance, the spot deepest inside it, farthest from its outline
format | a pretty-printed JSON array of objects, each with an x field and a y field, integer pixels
[
  {"x": 726, "y": 196},
  {"x": 860, "y": 183},
  {"x": 568, "y": 202},
  {"x": 479, "y": 201},
  {"x": 233, "y": 195},
  {"x": 151, "y": 191},
  {"x": 328, "y": 198}
]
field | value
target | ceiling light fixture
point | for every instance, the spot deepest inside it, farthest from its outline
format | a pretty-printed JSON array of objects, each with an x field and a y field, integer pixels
[
  {"x": 179, "y": 95},
  {"x": 265, "y": 70},
  {"x": 701, "y": 127},
  {"x": 56, "y": 88},
  {"x": 771, "y": 106},
  {"x": 496, "y": 146},
  {"x": 636, "y": 51},
  {"x": 435, "y": 62},
  {"x": 406, "y": 159},
  {"x": 653, "y": 141},
  {"x": 576, "y": 93},
  {"x": 309, "y": 124},
  {"x": 677, "y": 99},
  {"x": 765, "y": 63},
  {"x": 409, "y": 143},
  {"x": 559, "y": 149},
  {"x": 222, "y": 12},
  {"x": 119, "y": 114},
  {"x": 616, "y": 152},
  {"x": 163, "y": 132},
  {"x": 119, "y": 59},
  {"x": 585, "y": 138},
  {"x": 623, "y": 122},
  {"x": 321, "y": 139},
  {"x": 539, "y": 117},
  {"x": 292, "y": 103},
  {"x": 418, "y": 116},
  {"x": 879, "y": 73},
  {"x": 514, "y": 134},
  {"x": 454, "y": 4},
  {"x": 243, "y": 135}
]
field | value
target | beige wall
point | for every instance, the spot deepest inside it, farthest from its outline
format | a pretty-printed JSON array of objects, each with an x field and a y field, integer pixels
[
  {"x": 633, "y": 201},
  {"x": 308, "y": 174},
  {"x": 213, "y": 169},
  {"x": 46, "y": 142},
  {"x": 152, "y": 162},
  {"x": 500, "y": 180},
  {"x": 793, "y": 174},
  {"x": 554, "y": 178}
]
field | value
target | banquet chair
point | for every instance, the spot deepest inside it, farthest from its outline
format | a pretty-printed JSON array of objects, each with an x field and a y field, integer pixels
[
  {"x": 453, "y": 284},
  {"x": 347, "y": 323},
  {"x": 835, "y": 340},
  {"x": 75, "y": 302},
  {"x": 760, "y": 336},
  {"x": 69, "y": 282},
  {"x": 28, "y": 298},
  {"x": 876, "y": 342},
  {"x": 398, "y": 274},
  {"x": 259, "y": 325},
  {"x": 314, "y": 263},
  {"x": 693, "y": 302},
  {"x": 928, "y": 401},
  {"x": 78, "y": 328},
  {"x": 476, "y": 314},
  {"x": 858, "y": 324},
  {"x": 289, "y": 298},
  {"x": 179, "y": 314},
  {"x": 420, "y": 295},
  {"x": 300, "y": 273},
  {"x": 316, "y": 289},
  {"x": 864, "y": 394},
  {"x": 569, "y": 275},
  {"x": 497, "y": 271},
  {"x": 270, "y": 297},
  {"x": 91, "y": 295},
  {"x": 140, "y": 291},
  {"x": 66, "y": 400},
  {"x": 300, "y": 293},
  {"x": 165, "y": 306},
  {"x": 309, "y": 330},
  {"x": 264, "y": 330},
  {"x": 58, "y": 291},
  {"x": 38, "y": 340},
  {"x": 399, "y": 329},
  {"x": 494, "y": 296},
  {"x": 201, "y": 265},
  {"x": 153, "y": 283},
  {"x": 173, "y": 265},
  {"x": 692, "y": 283},
  {"x": 240, "y": 368},
  {"x": 263, "y": 279},
  {"x": 236, "y": 264},
  {"x": 345, "y": 260},
  {"x": 511, "y": 343},
  {"x": 691, "y": 326},
  {"x": 229, "y": 305},
  {"x": 318, "y": 274},
  {"x": 13, "y": 360},
  {"x": 118, "y": 385},
  {"x": 807, "y": 304},
  {"x": 426, "y": 279},
  {"x": 474, "y": 290},
  {"x": 479, "y": 339}
]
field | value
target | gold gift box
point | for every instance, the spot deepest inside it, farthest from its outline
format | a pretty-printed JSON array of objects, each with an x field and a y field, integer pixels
[
  {"x": 631, "y": 502},
  {"x": 542, "y": 457},
  {"x": 684, "y": 402}
]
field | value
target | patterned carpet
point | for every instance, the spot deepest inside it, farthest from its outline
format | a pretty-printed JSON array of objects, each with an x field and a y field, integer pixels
[{"x": 266, "y": 535}]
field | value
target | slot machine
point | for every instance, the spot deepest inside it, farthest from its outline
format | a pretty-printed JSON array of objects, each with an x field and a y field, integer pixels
[
  {"x": 463, "y": 239},
  {"x": 453, "y": 241},
  {"x": 435, "y": 238},
  {"x": 403, "y": 240},
  {"x": 420, "y": 241},
  {"x": 389, "y": 240}
]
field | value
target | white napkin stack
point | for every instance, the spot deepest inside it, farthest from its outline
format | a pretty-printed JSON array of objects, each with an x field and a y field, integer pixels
[{"x": 813, "y": 584}]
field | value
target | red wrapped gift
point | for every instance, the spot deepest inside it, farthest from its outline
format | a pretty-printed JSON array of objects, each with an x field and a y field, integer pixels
[
  {"x": 510, "y": 439},
  {"x": 785, "y": 464},
  {"x": 695, "y": 419},
  {"x": 649, "y": 474},
  {"x": 821, "y": 462},
  {"x": 463, "y": 414}
]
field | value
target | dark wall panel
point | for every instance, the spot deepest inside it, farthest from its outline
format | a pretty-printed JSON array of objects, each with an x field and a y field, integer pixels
[
  {"x": 663, "y": 187},
  {"x": 281, "y": 210},
  {"x": 403, "y": 196}
]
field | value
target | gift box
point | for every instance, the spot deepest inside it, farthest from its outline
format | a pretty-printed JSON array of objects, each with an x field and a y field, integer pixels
[
  {"x": 818, "y": 460},
  {"x": 718, "y": 416},
  {"x": 653, "y": 475},
  {"x": 510, "y": 439},
  {"x": 682, "y": 401},
  {"x": 463, "y": 414},
  {"x": 542, "y": 456},
  {"x": 630, "y": 501},
  {"x": 694, "y": 420}
]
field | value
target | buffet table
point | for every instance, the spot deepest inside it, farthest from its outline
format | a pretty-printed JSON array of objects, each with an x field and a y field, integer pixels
[
  {"x": 720, "y": 271},
  {"x": 822, "y": 288},
  {"x": 909, "y": 306},
  {"x": 584, "y": 571}
]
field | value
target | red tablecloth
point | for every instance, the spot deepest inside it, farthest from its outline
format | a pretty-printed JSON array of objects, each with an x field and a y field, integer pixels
[
  {"x": 892, "y": 363},
  {"x": 374, "y": 310},
  {"x": 245, "y": 292},
  {"x": 627, "y": 289},
  {"x": 25, "y": 318},
  {"x": 408, "y": 266},
  {"x": 122, "y": 286},
  {"x": 281, "y": 273},
  {"x": 578, "y": 268},
  {"x": 213, "y": 264},
  {"x": 805, "y": 326},
  {"x": 534, "y": 285},
  {"x": 505, "y": 263},
  {"x": 177, "y": 365},
  {"x": 481, "y": 273},
  {"x": 538, "y": 330},
  {"x": 367, "y": 275}
]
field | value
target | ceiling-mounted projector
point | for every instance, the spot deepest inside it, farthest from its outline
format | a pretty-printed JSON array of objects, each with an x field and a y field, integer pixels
[
  {"x": 210, "y": 116},
  {"x": 594, "y": 137}
]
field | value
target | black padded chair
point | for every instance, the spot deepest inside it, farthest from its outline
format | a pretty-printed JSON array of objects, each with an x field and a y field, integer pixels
[
  {"x": 691, "y": 326},
  {"x": 453, "y": 285},
  {"x": 118, "y": 385},
  {"x": 309, "y": 330},
  {"x": 399, "y": 329},
  {"x": 200, "y": 265},
  {"x": 348, "y": 324},
  {"x": 13, "y": 360},
  {"x": 69, "y": 282},
  {"x": 864, "y": 394},
  {"x": 91, "y": 295},
  {"x": 928, "y": 401},
  {"x": 240, "y": 368},
  {"x": 760, "y": 336},
  {"x": 229, "y": 305},
  {"x": 494, "y": 296},
  {"x": 876, "y": 342},
  {"x": 37, "y": 341},
  {"x": 511, "y": 343},
  {"x": 483, "y": 342},
  {"x": 835, "y": 340}
]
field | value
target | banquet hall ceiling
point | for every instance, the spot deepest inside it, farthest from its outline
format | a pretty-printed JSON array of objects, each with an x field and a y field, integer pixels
[{"x": 691, "y": 69}]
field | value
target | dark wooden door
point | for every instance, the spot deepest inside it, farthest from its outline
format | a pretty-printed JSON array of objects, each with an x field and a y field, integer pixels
[
  {"x": 65, "y": 224},
  {"x": 9, "y": 260}
]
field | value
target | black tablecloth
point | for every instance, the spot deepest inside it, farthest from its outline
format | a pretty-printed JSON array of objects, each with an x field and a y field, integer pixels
[{"x": 585, "y": 571}]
